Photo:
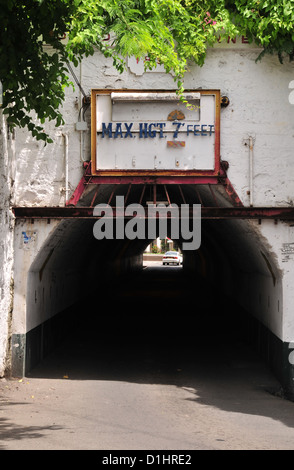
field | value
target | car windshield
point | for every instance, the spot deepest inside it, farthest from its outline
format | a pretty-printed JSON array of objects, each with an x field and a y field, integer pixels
[{"x": 169, "y": 253}]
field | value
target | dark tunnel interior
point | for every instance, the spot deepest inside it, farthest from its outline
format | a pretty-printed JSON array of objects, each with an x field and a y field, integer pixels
[{"x": 109, "y": 311}]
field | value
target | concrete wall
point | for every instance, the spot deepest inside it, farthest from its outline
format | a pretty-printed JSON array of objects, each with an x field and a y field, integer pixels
[
  {"x": 259, "y": 108},
  {"x": 60, "y": 264},
  {"x": 6, "y": 242}
]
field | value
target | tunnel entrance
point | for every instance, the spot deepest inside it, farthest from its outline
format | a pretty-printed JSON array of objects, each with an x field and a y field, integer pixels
[
  {"x": 161, "y": 326},
  {"x": 149, "y": 325},
  {"x": 103, "y": 311}
]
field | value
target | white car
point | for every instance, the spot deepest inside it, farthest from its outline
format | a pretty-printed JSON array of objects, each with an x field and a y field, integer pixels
[{"x": 172, "y": 257}]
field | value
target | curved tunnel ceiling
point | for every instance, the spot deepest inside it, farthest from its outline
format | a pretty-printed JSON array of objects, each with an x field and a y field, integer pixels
[{"x": 236, "y": 243}]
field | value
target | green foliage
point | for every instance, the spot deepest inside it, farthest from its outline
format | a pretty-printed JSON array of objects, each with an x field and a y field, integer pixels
[
  {"x": 269, "y": 24},
  {"x": 171, "y": 32},
  {"x": 33, "y": 78}
]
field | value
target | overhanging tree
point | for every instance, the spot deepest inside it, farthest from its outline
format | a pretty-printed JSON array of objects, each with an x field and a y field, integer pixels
[{"x": 173, "y": 32}]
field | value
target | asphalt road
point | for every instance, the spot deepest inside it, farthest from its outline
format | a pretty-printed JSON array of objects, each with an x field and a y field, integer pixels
[{"x": 140, "y": 381}]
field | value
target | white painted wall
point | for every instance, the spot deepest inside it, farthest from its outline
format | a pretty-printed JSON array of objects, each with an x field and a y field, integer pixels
[
  {"x": 29, "y": 241},
  {"x": 6, "y": 242},
  {"x": 281, "y": 239},
  {"x": 259, "y": 107}
]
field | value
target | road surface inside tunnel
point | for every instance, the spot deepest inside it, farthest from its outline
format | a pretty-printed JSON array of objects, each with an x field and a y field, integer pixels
[
  {"x": 151, "y": 364},
  {"x": 149, "y": 325}
]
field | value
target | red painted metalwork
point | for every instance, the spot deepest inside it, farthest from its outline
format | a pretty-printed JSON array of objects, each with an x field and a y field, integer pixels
[
  {"x": 224, "y": 180},
  {"x": 154, "y": 180},
  {"x": 229, "y": 188},
  {"x": 88, "y": 178},
  {"x": 95, "y": 195},
  {"x": 84, "y": 181},
  {"x": 190, "y": 177}
]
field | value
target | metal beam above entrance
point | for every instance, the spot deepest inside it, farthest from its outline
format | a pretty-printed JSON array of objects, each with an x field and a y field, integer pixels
[{"x": 209, "y": 213}]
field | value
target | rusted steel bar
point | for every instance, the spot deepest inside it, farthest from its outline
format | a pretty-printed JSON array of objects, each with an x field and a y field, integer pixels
[
  {"x": 166, "y": 193},
  {"x": 213, "y": 195},
  {"x": 199, "y": 197},
  {"x": 232, "y": 193},
  {"x": 74, "y": 199},
  {"x": 111, "y": 196},
  {"x": 128, "y": 192},
  {"x": 218, "y": 213},
  {"x": 95, "y": 195},
  {"x": 142, "y": 194},
  {"x": 169, "y": 179},
  {"x": 182, "y": 194}
]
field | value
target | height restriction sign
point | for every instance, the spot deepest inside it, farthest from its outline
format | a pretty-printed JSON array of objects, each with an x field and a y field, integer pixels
[{"x": 153, "y": 132}]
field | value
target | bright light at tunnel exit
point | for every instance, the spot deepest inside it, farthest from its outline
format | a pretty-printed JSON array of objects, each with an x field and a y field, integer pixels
[{"x": 129, "y": 222}]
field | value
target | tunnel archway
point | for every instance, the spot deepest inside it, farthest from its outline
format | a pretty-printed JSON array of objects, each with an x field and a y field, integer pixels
[{"x": 76, "y": 280}]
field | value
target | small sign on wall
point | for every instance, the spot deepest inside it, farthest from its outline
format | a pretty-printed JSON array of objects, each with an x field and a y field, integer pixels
[
  {"x": 153, "y": 132},
  {"x": 27, "y": 239}
]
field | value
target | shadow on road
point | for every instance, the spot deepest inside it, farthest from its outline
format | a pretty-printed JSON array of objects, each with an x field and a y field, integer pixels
[{"x": 10, "y": 431}]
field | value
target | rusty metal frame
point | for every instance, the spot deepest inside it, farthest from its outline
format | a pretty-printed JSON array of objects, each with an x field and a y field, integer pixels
[
  {"x": 88, "y": 178},
  {"x": 155, "y": 173}
]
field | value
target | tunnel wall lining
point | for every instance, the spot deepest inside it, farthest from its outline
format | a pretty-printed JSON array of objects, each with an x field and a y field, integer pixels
[
  {"x": 50, "y": 265},
  {"x": 273, "y": 351},
  {"x": 30, "y": 348}
]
